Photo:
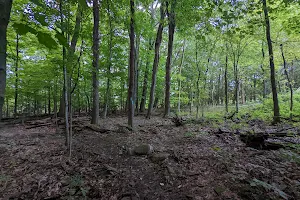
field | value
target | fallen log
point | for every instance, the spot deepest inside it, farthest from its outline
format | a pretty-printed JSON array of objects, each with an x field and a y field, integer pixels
[
  {"x": 38, "y": 125},
  {"x": 96, "y": 128}
]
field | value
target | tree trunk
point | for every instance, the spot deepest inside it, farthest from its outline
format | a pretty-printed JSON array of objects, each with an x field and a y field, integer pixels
[
  {"x": 179, "y": 80},
  {"x": 276, "y": 117},
  {"x": 5, "y": 8},
  {"x": 263, "y": 71},
  {"x": 65, "y": 87},
  {"x": 49, "y": 100},
  {"x": 226, "y": 82},
  {"x": 289, "y": 82},
  {"x": 204, "y": 87},
  {"x": 95, "y": 71},
  {"x": 17, "y": 77},
  {"x": 131, "y": 76},
  {"x": 171, "y": 19},
  {"x": 243, "y": 95},
  {"x": 136, "y": 72},
  {"x": 145, "y": 83},
  {"x": 198, "y": 82},
  {"x": 156, "y": 59},
  {"x": 107, "y": 96},
  {"x": 237, "y": 84},
  {"x": 70, "y": 57}
]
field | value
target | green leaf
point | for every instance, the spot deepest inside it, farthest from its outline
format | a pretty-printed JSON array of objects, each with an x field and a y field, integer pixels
[
  {"x": 23, "y": 29},
  {"x": 46, "y": 39},
  {"x": 61, "y": 39},
  {"x": 37, "y": 2},
  {"x": 41, "y": 19},
  {"x": 83, "y": 3}
]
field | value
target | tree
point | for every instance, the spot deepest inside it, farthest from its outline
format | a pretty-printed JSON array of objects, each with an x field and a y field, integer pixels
[
  {"x": 131, "y": 68},
  {"x": 171, "y": 19},
  {"x": 276, "y": 115},
  {"x": 156, "y": 58},
  {"x": 95, "y": 70},
  {"x": 288, "y": 81},
  {"x": 5, "y": 8},
  {"x": 109, "y": 60},
  {"x": 17, "y": 76}
]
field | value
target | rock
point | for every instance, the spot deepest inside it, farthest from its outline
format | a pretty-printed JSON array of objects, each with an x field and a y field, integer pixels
[
  {"x": 159, "y": 157},
  {"x": 143, "y": 149}
]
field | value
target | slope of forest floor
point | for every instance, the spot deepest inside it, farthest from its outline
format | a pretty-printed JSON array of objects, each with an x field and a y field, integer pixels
[{"x": 199, "y": 164}]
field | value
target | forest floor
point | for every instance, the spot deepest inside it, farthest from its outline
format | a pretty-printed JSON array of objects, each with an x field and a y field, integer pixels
[{"x": 197, "y": 162}]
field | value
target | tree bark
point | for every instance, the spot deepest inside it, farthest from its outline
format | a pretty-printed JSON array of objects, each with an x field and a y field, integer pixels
[
  {"x": 198, "y": 82},
  {"x": 65, "y": 86},
  {"x": 172, "y": 24},
  {"x": 131, "y": 76},
  {"x": 145, "y": 82},
  {"x": 156, "y": 59},
  {"x": 179, "y": 80},
  {"x": 107, "y": 96},
  {"x": 17, "y": 77},
  {"x": 276, "y": 117},
  {"x": 136, "y": 72},
  {"x": 95, "y": 71},
  {"x": 5, "y": 8},
  {"x": 263, "y": 71},
  {"x": 289, "y": 82}
]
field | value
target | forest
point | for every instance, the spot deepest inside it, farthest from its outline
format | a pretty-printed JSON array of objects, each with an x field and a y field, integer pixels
[{"x": 149, "y": 99}]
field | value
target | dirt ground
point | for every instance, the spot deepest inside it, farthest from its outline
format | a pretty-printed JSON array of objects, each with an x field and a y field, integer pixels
[{"x": 199, "y": 164}]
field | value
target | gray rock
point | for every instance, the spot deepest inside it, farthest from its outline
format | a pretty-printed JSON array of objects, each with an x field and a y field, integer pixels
[
  {"x": 159, "y": 157},
  {"x": 143, "y": 149}
]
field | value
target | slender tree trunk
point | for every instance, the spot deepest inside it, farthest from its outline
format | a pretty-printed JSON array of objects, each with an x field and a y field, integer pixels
[
  {"x": 198, "y": 82},
  {"x": 289, "y": 82},
  {"x": 136, "y": 72},
  {"x": 226, "y": 81},
  {"x": 145, "y": 83},
  {"x": 204, "y": 87},
  {"x": 156, "y": 59},
  {"x": 70, "y": 57},
  {"x": 5, "y": 8},
  {"x": 172, "y": 24},
  {"x": 179, "y": 80},
  {"x": 276, "y": 117},
  {"x": 17, "y": 77},
  {"x": 95, "y": 71},
  {"x": 131, "y": 76},
  {"x": 237, "y": 84},
  {"x": 243, "y": 95},
  {"x": 55, "y": 103},
  {"x": 49, "y": 100},
  {"x": 107, "y": 96},
  {"x": 65, "y": 87},
  {"x": 263, "y": 71}
]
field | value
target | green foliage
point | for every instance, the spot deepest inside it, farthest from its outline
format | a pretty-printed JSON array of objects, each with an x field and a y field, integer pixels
[
  {"x": 77, "y": 186},
  {"x": 264, "y": 110}
]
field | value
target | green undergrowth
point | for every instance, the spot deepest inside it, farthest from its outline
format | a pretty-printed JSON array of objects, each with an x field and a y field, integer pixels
[{"x": 261, "y": 109}]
